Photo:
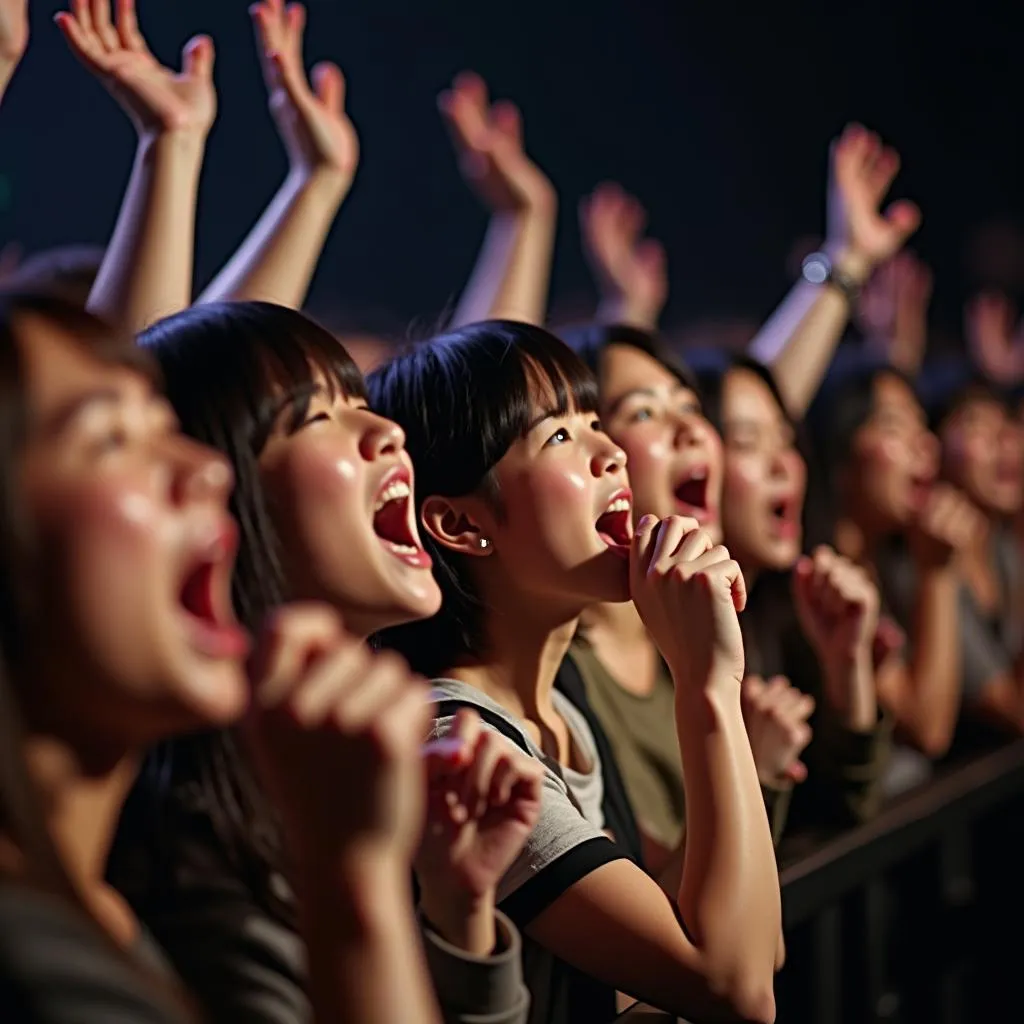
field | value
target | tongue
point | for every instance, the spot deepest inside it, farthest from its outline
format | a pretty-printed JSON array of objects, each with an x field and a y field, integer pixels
[
  {"x": 692, "y": 492},
  {"x": 613, "y": 525},
  {"x": 197, "y": 594},
  {"x": 392, "y": 524}
]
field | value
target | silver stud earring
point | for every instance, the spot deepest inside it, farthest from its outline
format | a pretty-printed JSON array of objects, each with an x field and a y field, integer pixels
[{"x": 483, "y": 543}]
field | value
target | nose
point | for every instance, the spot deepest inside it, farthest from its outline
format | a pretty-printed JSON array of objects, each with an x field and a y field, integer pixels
[
  {"x": 927, "y": 450},
  {"x": 608, "y": 457},
  {"x": 691, "y": 429},
  {"x": 201, "y": 474},
  {"x": 380, "y": 437}
]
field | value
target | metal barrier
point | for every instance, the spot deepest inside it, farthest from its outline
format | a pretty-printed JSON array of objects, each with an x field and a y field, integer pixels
[{"x": 917, "y": 916}]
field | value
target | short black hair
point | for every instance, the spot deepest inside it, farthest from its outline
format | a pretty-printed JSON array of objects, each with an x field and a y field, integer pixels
[{"x": 463, "y": 399}]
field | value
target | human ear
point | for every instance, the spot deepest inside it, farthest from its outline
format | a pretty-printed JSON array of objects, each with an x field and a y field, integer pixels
[{"x": 453, "y": 528}]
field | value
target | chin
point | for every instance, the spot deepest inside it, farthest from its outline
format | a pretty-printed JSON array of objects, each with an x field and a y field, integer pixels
[{"x": 216, "y": 696}]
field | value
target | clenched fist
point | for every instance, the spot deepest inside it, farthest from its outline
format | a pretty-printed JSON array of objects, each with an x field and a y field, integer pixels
[{"x": 776, "y": 716}]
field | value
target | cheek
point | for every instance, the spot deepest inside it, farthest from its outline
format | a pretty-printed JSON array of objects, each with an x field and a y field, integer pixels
[
  {"x": 546, "y": 507},
  {"x": 743, "y": 479},
  {"x": 648, "y": 455}
]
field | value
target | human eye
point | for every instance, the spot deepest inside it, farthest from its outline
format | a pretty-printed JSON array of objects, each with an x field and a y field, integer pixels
[{"x": 560, "y": 436}]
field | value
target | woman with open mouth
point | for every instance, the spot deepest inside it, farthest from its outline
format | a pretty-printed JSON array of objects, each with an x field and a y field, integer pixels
[
  {"x": 527, "y": 513},
  {"x": 650, "y": 405}
]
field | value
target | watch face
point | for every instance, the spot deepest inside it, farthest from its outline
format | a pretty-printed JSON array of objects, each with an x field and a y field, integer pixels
[{"x": 816, "y": 268}]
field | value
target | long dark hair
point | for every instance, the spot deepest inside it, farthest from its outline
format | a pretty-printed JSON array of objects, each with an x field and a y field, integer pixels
[
  {"x": 463, "y": 399},
  {"x": 230, "y": 370}
]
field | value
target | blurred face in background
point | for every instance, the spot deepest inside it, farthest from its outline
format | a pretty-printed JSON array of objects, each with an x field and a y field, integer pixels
[
  {"x": 675, "y": 455},
  {"x": 893, "y": 460},
  {"x": 765, "y": 476},
  {"x": 983, "y": 454}
]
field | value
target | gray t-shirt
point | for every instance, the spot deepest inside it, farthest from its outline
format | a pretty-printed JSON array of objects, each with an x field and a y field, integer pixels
[{"x": 565, "y": 846}]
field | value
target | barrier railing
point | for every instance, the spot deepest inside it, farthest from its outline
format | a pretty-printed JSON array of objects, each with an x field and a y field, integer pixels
[{"x": 917, "y": 916}]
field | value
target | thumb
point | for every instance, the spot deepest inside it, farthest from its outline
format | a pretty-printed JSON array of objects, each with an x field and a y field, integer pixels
[
  {"x": 329, "y": 86},
  {"x": 197, "y": 58},
  {"x": 642, "y": 537},
  {"x": 905, "y": 216},
  {"x": 796, "y": 772}
]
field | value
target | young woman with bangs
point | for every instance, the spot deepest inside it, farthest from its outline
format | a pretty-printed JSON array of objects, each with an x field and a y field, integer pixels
[
  {"x": 526, "y": 512},
  {"x": 323, "y": 506}
]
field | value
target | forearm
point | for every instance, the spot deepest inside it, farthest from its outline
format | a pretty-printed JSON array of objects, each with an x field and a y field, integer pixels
[
  {"x": 855, "y": 679},
  {"x": 146, "y": 273},
  {"x": 930, "y": 699},
  {"x": 624, "y": 309},
  {"x": 799, "y": 339},
  {"x": 512, "y": 274},
  {"x": 366, "y": 961},
  {"x": 729, "y": 894},
  {"x": 277, "y": 260},
  {"x": 7, "y": 69}
]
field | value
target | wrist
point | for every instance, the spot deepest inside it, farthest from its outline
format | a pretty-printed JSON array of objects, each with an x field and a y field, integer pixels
[
  {"x": 181, "y": 145},
  {"x": 851, "y": 681},
  {"x": 323, "y": 181},
  {"x": 850, "y": 262},
  {"x": 463, "y": 919}
]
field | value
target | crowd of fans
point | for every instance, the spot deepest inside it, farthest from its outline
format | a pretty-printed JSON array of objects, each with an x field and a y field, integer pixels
[{"x": 486, "y": 678}]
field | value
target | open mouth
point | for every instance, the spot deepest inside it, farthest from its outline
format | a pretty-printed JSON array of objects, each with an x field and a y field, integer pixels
[
  {"x": 205, "y": 599},
  {"x": 615, "y": 524},
  {"x": 785, "y": 517},
  {"x": 392, "y": 521},
  {"x": 691, "y": 494}
]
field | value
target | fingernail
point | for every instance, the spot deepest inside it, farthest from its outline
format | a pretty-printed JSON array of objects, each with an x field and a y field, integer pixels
[{"x": 646, "y": 522}]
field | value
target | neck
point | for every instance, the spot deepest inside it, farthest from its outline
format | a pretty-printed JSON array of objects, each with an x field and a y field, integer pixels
[
  {"x": 83, "y": 808},
  {"x": 522, "y": 657},
  {"x": 619, "y": 619}
]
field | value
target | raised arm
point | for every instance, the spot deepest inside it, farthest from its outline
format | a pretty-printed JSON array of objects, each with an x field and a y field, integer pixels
[
  {"x": 277, "y": 260},
  {"x": 629, "y": 268},
  {"x": 147, "y": 271},
  {"x": 13, "y": 39},
  {"x": 800, "y": 338},
  {"x": 615, "y": 923},
  {"x": 513, "y": 271},
  {"x": 995, "y": 337}
]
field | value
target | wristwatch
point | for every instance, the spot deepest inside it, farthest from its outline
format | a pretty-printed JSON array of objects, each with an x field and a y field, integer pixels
[{"x": 818, "y": 268}]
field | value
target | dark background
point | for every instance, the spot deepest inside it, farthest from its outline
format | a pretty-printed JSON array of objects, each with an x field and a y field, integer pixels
[{"x": 717, "y": 115}]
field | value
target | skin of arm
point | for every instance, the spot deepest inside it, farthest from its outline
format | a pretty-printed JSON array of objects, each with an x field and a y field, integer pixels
[
  {"x": 799, "y": 339},
  {"x": 147, "y": 271},
  {"x": 276, "y": 262},
  {"x": 13, "y": 39},
  {"x": 616, "y": 923},
  {"x": 511, "y": 277}
]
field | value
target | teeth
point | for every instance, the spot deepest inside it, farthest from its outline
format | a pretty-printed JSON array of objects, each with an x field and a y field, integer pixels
[
  {"x": 620, "y": 505},
  {"x": 403, "y": 549},
  {"x": 698, "y": 474},
  {"x": 393, "y": 492}
]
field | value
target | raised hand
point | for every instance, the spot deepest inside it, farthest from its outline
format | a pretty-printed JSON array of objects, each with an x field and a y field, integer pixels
[
  {"x": 995, "y": 337},
  {"x": 489, "y": 141},
  {"x": 893, "y": 310},
  {"x": 688, "y": 592},
  {"x": 943, "y": 528},
  {"x": 337, "y": 732},
  {"x": 312, "y": 121},
  {"x": 862, "y": 172},
  {"x": 157, "y": 99},
  {"x": 776, "y": 716},
  {"x": 630, "y": 268},
  {"x": 483, "y": 801}
]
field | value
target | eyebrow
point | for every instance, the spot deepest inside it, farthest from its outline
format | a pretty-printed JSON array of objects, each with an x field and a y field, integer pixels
[
  {"x": 81, "y": 405},
  {"x": 676, "y": 389}
]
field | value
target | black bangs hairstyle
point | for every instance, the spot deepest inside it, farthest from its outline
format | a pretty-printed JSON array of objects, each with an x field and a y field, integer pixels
[
  {"x": 463, "y": 399},
  {"x": 947, "y": 387},
  {"x": 232, "y": 371},
  {"x": 590, "y": 342}
]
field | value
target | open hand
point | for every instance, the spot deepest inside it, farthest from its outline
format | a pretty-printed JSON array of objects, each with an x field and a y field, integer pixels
[
  {"x": 688, "y": 592},
  {"x": 776, "y": 716},
  {"x": 862, "y": 172},
  {"x": 893, "y": 310},
  {"x": 312, "y": 121},
  {"x": 156, "y": 99},
  {"x": 337, "y": 731},
  {"x": 489, "y": 141},
  {"x": 995, "y": 337},
  {"x": 483, "y": 801},
  {"x": 629, "y": 267}
]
